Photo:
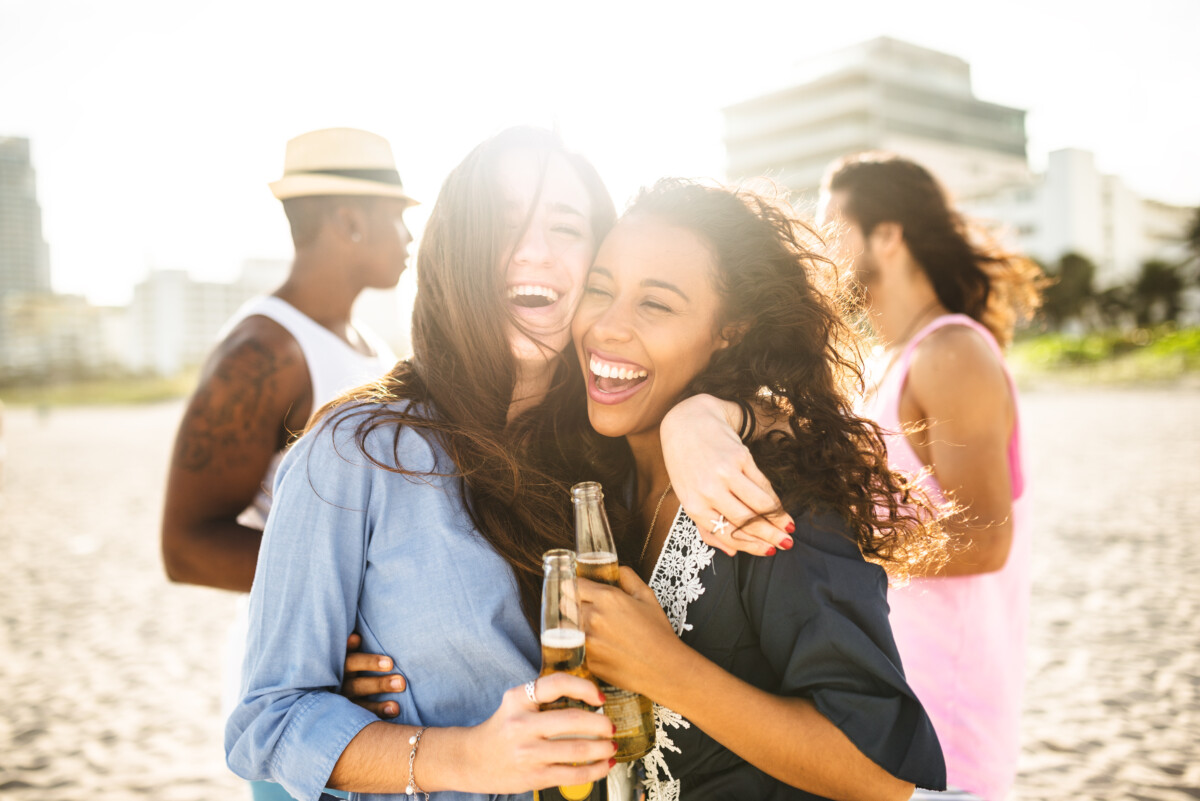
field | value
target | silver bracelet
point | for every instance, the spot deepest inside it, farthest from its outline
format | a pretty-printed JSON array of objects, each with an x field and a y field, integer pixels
[{"x": 411, "y": 788}]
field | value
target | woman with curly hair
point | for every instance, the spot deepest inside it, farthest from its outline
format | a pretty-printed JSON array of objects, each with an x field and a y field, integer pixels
[
  {"x": 773, "y": 678},
  {"x": 415, "y": 512}
]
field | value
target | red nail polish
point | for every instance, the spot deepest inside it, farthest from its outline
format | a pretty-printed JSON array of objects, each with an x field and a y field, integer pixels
[
  {"x": 615, "y": 746},
  {"x": 790, "y": 528},
  {"x": 602, "y": 700},
  {"x": 612, "y": 762},
  {"x": 771, "y": 551},
  {"x": 614, "y": 729},
  {"x": 786, "y": 544}
]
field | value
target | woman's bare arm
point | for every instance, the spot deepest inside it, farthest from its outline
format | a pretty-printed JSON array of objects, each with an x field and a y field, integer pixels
[{"x": 715, "y": 476}]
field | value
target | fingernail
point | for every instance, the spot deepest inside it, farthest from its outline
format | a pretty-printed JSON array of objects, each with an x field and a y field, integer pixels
[
  {"x": 615, "y": 746},
  {"x": 397, "y": 683},
  {"x": 790, "y": 528},
  {"x": 786, "y": 544},
  {"x": 771, "y": 551},
  {"x": 612, "y": 762},
  {"x": 602, "y": 700},
  {"x": 384, "y": 664},
  {"x": 614, "y": 728}
]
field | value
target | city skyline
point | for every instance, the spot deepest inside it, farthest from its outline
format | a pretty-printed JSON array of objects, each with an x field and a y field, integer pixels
[{"x": 155, "y": 129}]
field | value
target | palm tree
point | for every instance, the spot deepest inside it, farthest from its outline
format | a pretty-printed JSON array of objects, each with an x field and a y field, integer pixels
[
  {"x": 1157, "y": 292},
  {"x": 1070, "y": 290}
]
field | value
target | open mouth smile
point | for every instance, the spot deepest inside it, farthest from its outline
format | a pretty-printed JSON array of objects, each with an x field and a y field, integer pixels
[
  {"x": 615, "y": 378},
  {"x": 532, "y": 296}
]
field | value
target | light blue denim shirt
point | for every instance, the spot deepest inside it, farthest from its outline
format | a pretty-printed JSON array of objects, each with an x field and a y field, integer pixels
[{"x": 352, "y": 547}]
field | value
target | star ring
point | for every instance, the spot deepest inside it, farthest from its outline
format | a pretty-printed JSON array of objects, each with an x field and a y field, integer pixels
[
  {"x": 530, "y": 690},
  {"x": 719, "y": 525}
]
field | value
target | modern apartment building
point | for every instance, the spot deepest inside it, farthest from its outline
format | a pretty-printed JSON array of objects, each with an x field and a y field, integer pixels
[
  {"x": 1074, "y": 208},
  {"x": 885, "y": 94},
  {"x": 882, "y": 94}
]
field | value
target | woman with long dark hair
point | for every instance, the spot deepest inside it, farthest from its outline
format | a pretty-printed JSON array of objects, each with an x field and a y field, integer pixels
[
  {"x": 776, "y": 678},
  {"x": 415, "y": 512}
]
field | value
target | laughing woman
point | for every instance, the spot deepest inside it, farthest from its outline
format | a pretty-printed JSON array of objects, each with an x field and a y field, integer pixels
[
  {"x": 777, "y": 678},
  {"x": 414, "y": 514}
]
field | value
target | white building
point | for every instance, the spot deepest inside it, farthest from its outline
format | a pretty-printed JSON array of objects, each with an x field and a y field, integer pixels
[
  {"x": 175, "y": 320},
  {"x": 59, "y": 337},
  {"x": 1073, "y": 208},
  {"x": 24, "y": 255},
  {"x": 889, "y": 95},
  {"x": 882, "y": 94}
]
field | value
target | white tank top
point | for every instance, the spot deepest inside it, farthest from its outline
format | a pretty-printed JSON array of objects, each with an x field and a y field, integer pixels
[{"x": 333, "y": 367}]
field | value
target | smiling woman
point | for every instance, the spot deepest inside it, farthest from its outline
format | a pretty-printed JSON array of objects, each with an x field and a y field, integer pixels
[
  {"x": 775, "y": 678},
  {"x": 647, "y": 323},
  {"x": 415, "y": 511},
  {"x": 550, "y": 242}
]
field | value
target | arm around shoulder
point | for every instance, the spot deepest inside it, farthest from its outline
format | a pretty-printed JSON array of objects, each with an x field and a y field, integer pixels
[{"x": 715, "y": 477}]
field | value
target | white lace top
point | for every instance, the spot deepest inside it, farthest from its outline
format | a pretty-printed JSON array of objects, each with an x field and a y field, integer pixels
[
  {"x": 676, "y": 583},
  {"x": 808, "y": 622}
]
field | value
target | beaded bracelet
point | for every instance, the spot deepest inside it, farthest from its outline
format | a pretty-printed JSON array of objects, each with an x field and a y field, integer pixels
[{"x": 411, "y": 788}]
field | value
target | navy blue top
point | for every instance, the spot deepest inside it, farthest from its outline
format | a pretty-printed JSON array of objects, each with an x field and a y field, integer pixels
[{"x": 809, "y": 622}]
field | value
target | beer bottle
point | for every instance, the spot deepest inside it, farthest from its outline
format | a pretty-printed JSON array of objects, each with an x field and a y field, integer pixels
[
  {"x": 562, "y": 635},
  {"x": 631, "y": 713},
  {"x": 563, "y": 651}
]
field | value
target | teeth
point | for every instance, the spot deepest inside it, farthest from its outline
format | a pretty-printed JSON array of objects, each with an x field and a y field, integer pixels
[
  {"x": 606, "y": 370},
  {"x": 533, "y": 289}
]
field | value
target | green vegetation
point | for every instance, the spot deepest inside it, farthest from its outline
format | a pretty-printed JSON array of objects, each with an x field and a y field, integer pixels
[
  {"x": 1162, "y": 354},
  {"x": 98, "y": 392}
]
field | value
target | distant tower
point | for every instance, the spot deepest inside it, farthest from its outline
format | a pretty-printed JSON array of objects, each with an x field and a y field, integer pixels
[
  {"x": 24, "y": 256},
  {"x": 882, "y": 94}
]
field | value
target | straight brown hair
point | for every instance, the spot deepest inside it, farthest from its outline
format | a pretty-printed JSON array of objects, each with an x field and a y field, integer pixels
[{"x": 457, "y": 387}]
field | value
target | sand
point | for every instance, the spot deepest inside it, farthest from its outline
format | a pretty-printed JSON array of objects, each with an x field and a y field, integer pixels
[{"x": 110, "y": 678}]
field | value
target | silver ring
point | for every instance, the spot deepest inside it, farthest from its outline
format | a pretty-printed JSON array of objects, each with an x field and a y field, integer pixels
[
  {"x": 530, "y": 689},
  {"x": 719, "y": 525}
]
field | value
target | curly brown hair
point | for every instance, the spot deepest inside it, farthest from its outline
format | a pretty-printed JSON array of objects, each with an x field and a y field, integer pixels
[
  {"x": 799, "y": 357},
  {"x": 970, "y": 272}
]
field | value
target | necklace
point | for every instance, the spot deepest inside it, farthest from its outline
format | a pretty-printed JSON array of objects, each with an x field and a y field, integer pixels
[{"x": 653, "y": 521}]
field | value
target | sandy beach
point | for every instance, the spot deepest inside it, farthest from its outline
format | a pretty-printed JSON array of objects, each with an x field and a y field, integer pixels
[{"x": 111, "y": 679}]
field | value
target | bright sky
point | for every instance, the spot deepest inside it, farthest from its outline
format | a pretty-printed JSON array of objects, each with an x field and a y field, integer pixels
[{"x": 157, "y": 125}]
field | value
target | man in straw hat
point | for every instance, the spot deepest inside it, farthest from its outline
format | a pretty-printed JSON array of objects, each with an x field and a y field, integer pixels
[{"x": 280, "y": 359}]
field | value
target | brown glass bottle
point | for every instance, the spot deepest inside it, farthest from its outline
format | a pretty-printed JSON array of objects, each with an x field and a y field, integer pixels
[{"x": 631, "y": 713}]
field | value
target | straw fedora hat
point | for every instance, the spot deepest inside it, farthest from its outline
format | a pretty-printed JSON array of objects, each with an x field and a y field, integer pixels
[{"x": 339, "y": 161}]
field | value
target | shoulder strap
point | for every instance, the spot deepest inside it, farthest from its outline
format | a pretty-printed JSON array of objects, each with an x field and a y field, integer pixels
[{"x": 1015, "y": 466}]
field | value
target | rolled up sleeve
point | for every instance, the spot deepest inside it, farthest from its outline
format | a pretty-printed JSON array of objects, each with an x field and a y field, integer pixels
[
  {"x": 828, "y": 639},
  {"x": 291, "y": 726}
]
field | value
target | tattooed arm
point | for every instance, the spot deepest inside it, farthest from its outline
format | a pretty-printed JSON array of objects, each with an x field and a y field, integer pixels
[{"x": 254, "y": 393}]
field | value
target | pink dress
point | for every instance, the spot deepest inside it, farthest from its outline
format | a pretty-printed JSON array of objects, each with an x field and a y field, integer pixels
[{"x": 962, "y": 638}]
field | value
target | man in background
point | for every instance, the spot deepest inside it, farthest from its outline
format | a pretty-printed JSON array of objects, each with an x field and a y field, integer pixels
[
  {"x": 280, "y": 359},
  {"x": 943, "y": 303}
]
